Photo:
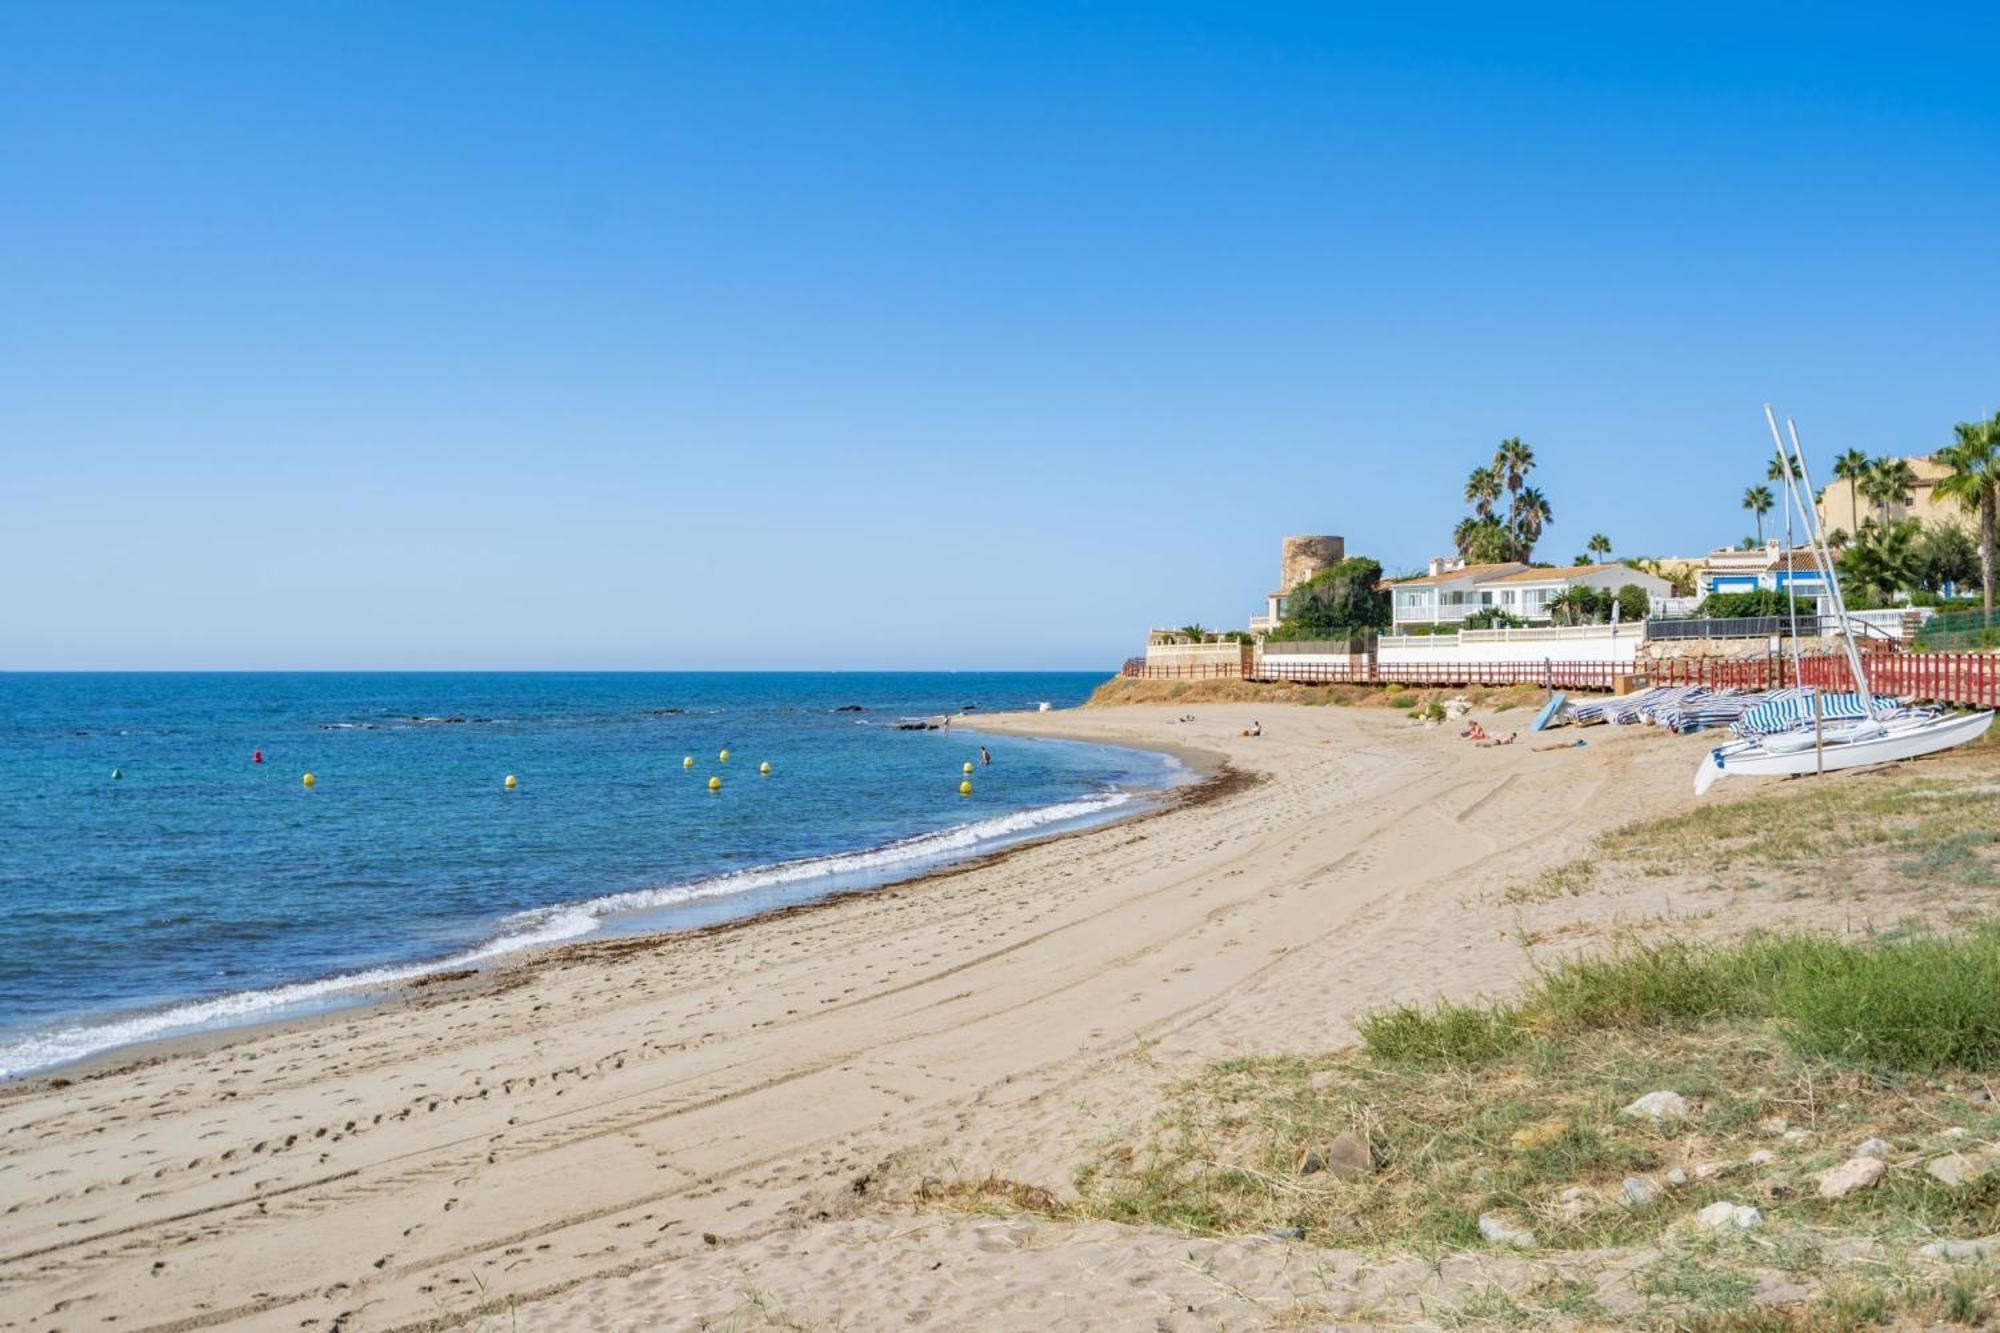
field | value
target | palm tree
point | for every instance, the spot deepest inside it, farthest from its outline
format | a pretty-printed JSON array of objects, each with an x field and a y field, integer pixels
[
  {"x": 1531, "y": 513},
  {"x": 1774, "y": 472},
  {"x": 1757, "y": 499},
  {"x": 1512, "y": 462},
  {"x": 1890, "y": 481},
  {"x": 1851, "y": 467},
  {"x": 1884, "y": 561},
  {"x": 1482, "y": 488},
  {"x": 1975, "y": 483},
  {"x": 1599, "y": 545},
  {"x": 1461, "y": 536}
]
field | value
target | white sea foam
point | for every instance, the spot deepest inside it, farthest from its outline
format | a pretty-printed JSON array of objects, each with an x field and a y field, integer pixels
[{"x": 544, "y": 926}]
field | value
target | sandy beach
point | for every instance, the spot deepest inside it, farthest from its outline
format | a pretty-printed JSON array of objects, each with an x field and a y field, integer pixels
[{"x": 739, "y": 1128}]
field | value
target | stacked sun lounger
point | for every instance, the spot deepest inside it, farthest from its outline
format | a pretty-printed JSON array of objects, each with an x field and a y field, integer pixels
[
  {"x": 1775, "y": 710},
  {"x": 1673, "y": 704},
  {"x": 1785, "y": 710},
  {"x": 1710, "y": 709},
  {"x": 1633, "y": 707},
  {"x": 1685, "y": 708}
]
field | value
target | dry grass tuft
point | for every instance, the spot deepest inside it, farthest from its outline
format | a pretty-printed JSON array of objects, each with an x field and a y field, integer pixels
[
  {"x": 1452, "y": 1142},
  {"x": 991, "y": 1195}
]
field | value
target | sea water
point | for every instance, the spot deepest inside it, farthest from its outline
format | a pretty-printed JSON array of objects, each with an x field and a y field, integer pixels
[{"x": 198, "y": 888}]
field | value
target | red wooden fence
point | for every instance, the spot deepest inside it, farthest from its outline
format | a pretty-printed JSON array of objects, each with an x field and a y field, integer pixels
[{"x": 1957, "y": 678}]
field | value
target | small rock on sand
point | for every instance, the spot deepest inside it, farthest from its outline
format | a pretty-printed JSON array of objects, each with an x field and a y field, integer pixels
[
  {"x": 1501, "y": 1230},
  {"x": 1856, "y": 1173},
  {"x": 1661, "y": 1105},
  {"x": 1637, "y": 1192},
  {"x": 1873, "y": 1148},
  {"x": 1349, "y": 1155},
  {"x": 1958, "y": 1168},
  {"x": 1576, "y": 1202},
  {"x": 1722, "y": 1214},
  {"x": 1958, "y": 1251}
]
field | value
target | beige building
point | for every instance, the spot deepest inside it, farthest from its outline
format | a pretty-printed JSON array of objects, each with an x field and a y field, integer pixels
[{"x": 1840, "y": 507}]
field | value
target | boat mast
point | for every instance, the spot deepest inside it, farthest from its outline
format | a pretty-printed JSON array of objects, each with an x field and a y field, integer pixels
[
  {"x": 1817, "y": 532},
  {"x": 1791, "y": 575}
]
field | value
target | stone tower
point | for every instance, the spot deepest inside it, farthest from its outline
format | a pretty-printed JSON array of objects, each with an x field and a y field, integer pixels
[{"x": 1307, "y": 556}]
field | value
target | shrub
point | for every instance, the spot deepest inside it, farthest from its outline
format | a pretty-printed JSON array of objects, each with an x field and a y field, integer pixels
[
  {"x": 1763, "y": 602},
  {"x": 1634, "y": 603},
  {"x": 1334, "y": 602}
]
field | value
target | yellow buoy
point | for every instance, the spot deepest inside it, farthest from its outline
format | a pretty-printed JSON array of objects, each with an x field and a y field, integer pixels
[
  {"x": 724, "y": 756},
  {"x": 511, "y": 782},
  {"x": 715, "y": 784},
  {"x": 965, "y": 789},
  {"x": 688, "y": 762},
  {"x": 309, "y": 780},
  {"x": 765, "y": 768},
  {"x": 968, "y": 768}
]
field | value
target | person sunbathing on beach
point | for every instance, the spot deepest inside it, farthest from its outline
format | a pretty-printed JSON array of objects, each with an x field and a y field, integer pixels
[
  {"x": 1486, "y": 741},
  {"x": 1474, "y": 733}
]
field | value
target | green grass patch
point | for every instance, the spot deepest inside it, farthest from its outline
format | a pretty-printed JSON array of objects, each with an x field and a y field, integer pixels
[{"x": 1917, "y": 1002}]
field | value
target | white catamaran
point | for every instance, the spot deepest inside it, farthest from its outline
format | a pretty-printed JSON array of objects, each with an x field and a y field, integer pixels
[{"x": 1878, "y": 738}]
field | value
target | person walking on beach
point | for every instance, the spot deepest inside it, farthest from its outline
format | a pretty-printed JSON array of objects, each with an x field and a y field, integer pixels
[{"x": 985, "y": 755}]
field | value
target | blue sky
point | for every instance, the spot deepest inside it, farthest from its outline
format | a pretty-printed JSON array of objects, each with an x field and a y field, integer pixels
[{"x": 926, "y": 335}]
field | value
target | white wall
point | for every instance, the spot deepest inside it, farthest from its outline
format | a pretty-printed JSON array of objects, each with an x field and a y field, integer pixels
[
  {"x": 1206, "y": 655},
  {"x": 1583, "y": 643},
  {"x": 1280, "y": 660}
]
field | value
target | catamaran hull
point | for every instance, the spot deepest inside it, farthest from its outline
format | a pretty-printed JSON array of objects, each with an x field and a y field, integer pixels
[{"x": 1752, "y": 760}]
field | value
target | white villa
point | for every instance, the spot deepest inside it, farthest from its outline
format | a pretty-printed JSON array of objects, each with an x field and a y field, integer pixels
[{"x": 1453, "y": 590}]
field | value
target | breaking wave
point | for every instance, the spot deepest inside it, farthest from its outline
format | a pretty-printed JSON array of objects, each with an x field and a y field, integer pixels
[{"x": 553, "y": 925}]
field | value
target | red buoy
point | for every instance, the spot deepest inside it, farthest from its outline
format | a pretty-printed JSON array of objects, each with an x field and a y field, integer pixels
[{"x": 256, "y": 756}]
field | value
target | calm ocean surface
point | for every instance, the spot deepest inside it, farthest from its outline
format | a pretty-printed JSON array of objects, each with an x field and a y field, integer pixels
[{"x": 201, "y": 889}]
